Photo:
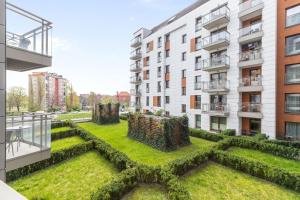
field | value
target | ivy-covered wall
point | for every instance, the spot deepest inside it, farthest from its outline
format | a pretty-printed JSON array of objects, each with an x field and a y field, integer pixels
[
  {"x": 165, "y": 134},
  {"x": 106, "y": 113}
]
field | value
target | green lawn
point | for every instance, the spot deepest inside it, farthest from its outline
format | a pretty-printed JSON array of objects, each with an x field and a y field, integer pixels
[
  {"x": 116, "y": 135},
  {"x": 73, "y": 179},
  {"x": 276, "y": 161},
  {"x": 147, "y": 192},
  {"x": 62, "y": 129},
  {"x": 65, "y": 143},
  {"x": 74, "y": 116},
  {"x": 215, "y": 181}
]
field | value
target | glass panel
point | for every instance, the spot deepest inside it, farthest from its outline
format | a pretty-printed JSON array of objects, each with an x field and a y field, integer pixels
[
  {"x": 292, "y": 73},
  {"x": 293, "y": 45},
  {"x": 223, "y": 123},
  {"x": 214, "y": 123},
  {"x": 293, "y": 16},
  {"x": 198, "y": 121},
  {"x": 293, "y": 103},
  {"x": 293, "y": 130}
]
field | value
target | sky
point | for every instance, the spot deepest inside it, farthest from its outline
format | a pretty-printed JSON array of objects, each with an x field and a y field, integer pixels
[{"x": 91, "y": 38}]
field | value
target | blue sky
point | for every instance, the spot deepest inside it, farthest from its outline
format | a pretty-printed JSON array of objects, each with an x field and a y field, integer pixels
[{"x": 91, "y": 38}]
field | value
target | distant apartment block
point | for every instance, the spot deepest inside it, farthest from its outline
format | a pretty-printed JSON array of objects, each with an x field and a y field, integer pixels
[
  {"x": 225, "y": 64},
  {"x": 47, "y": 91},
  {"x": 123, "y": 98}
]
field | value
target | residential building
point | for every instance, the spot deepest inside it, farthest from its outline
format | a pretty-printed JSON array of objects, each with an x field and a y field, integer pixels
[
  {"x": 226, "y": 65},
  {"x": 47, "y": 91},
  {"x": 124, "y": 98},
  {"x": 27, "y": 47}
]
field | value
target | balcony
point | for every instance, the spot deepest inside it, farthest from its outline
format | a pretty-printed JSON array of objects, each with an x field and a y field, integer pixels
[
  {"x": 135, "y": 92},
  {"x": 136, "y": 42},
  {"x": 136, "y": 80},
  {"x": 216, "y": 18},
  {"x": 28, "y": 40},
  {"x": 251, "y": 84},
  {"x": 250, "y": 9},
  {"x": 137, "y": 67},
  {"x": 198, "y": 86},
  {"x": 136, "y": 55},
  {"x": 216, "y": 41},
  {"x": 250, "y": 110},
  {"x": 251, "y": 58},
  {"x": 28, "y": 140},
  {"x": 219, "y": 109},
  {"x": 251, "y": 33},
  {"x": 216, "y": 63},
  {"x": 218, "y": 86}
]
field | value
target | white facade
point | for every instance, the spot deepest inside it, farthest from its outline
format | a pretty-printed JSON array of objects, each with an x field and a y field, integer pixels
[{"x": 186, "y": 24}]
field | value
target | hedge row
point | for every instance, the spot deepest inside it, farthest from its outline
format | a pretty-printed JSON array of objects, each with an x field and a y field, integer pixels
[
  {"x": 60, "y": 124},
  {"x": 63, "y": 134},
  {"x": 124, "y": 117},
  {"x": 56, "y": 157},
  {"x": 258, "y": 169},
  {"x": 198, "y": 133},
  {"x": 294, "y": 144},
  {"x": 277, "y": 150}
]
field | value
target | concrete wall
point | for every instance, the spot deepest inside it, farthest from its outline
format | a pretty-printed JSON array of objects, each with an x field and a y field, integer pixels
[{"x": 2, "y": 88}]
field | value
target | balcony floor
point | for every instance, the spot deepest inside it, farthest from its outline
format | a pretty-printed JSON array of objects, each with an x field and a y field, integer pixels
[{"x": 24, "y": 149}]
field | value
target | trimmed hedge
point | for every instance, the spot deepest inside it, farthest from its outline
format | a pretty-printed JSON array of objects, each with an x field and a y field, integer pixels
[
  {"x": 258, "y": 169},
  {"x": 124, "y": 117},
  {"x": 229, "y": 132},
  {"x": 198, "y": 133},
  {"x": 60, "y": 124},
  {"x": 294, "y": 144},
  {"x": 56, "y": 157},
  {"x": 63, "y": 134}
]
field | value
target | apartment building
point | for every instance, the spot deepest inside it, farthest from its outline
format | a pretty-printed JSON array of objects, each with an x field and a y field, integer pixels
[
  {"x": 25, "y": 44},
  {"x": 47, "y": 91},
  {"x": 216, "y": 61}
]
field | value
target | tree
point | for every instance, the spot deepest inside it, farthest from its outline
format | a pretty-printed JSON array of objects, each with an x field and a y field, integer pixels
[
  {"x": 41, "y": 92},
  {"x": 72, "y": 100},
  {"x": 92, "y": 99},
  {"x": 16, "y": 97},
  {"x": 108, "y": 99}
]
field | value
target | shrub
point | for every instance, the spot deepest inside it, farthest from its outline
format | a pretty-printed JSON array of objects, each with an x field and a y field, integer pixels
[
  {"x": 198, "y": 133},
  {"x": 294, "y": 144},
  {"x": 229, "y": 132},
  {"x": 63, "y": 134},
  {"x": 60, "y": 124},
  {"x": 124, "y": 117},
  {"x": 258, "y": 169}
]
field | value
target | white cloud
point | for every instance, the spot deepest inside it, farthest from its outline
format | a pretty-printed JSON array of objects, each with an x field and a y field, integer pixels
[{"x": 60, "y": 44}]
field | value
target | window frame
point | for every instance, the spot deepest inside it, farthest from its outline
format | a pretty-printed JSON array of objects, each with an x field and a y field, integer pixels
[
  {"x": 286, "y": 70},
  {"x": 286, "y": 107},
  {"x": 286, "y": 17}
]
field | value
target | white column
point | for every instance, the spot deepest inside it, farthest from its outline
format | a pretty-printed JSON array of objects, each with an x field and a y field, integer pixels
[{"x": 2, "y": 88}]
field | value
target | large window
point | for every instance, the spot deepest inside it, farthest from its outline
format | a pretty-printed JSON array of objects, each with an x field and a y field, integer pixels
[
  {"x": 293, "y": 45},
  {"x": 198, "y": 102},
  {"x": 167, "y": 99},
  {"x": 198, "y": 82},
  {"x": 292, "y": 130},
  {"x": 147, "y": 101},
  {"x": 183, "y": 108},
  {"x": 292, "y": 103},
  {"x": 292, "y": 74},
  {"x": 293, "y": 16},
  {"x": 198, "y": 121},
  {"x": 218, "y": 123}
]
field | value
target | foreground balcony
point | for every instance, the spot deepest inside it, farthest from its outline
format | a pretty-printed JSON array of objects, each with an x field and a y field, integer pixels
[
  {"x": 216, "y": 18},
  {"x": 216, "y": 41},
  {"x": 250, "y": 110},
  {"x": 136, "y": 80},
  {"x": 218, "y": 86},
  {"x": 251, "y": 33},
  {"x": 136, "y": 67},
  {"x": 136, "y": 42},
  {"x": 252, "y": 58},
  {"x": 216, "y": 63},
  {"x": 250, "y": 9},
  {"x": 28, "y": 139},
  {"x": 136, "y": 55},
  {"x": 219, "y": 109},
  {"x": 29, "y": 49},
  {"x": 251, "y": 84}
]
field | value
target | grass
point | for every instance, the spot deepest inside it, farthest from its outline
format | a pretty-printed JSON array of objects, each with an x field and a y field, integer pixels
[
  {"x": 147, "y": 192},
  {"x": 276, "y": 161},
  {"x": 65, "y": 143},
  {"x": 73, "y": 179},
  {"x": 62, "y": 129},
  {"x": 74, "y": 116},
  {"x": 215, "y": 181},
  {"x": 116, "y": 135}
]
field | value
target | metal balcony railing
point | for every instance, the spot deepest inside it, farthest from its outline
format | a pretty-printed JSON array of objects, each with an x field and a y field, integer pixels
[
  {"x": 251, "y": 81},
  {"x": 136, "y": 41},
  {"x": 135, "y": 80},
  {"x": 249, "y": 4},
  {"x": 216, "y": 85},
  {"x": 32, "y": 34},
  {"x": 223, "y": 11},
  {"x": 136, "y": 67},
  {"x": 252, "y": 29},
  {"x": 250, "y": 107},
  {"x": 251, "y": 55},
  {"x": 136, "y": 54},
  {"x": 218, "y": 37},
  {"x": 215, "y": 107},
  {"x": 135, "y": 92},
  {"x": 216, "y": 61}
]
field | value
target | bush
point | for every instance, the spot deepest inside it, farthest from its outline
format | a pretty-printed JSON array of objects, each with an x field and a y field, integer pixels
[
  {"x": 124, "y": 117},
  {"x": 258, "y": 169},
  {"x": 294, "y": 144},
  {"x": 63, "y": 134},
  {"x": 60, "y": 124},
  {"x": 198, "y": 133},
  {"x": 56, "y": 157},
  {"x": 229, "y": 132}
]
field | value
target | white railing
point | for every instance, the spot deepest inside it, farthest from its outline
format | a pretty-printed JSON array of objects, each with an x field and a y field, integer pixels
[
  {"x": 249, "y": 4},
  {"x": 251, "y": 81},
  {"x": 136, "y": 41},
  {"x": 216, "y": 61},
  {"x": 224, "y": 35},
  {"x": 251, "y": 55},
  {"x": 216, "y": 107},
  {"x": 135, "y": 92},
  {"x": 37, "y": 39},
  {"x": 250, "y": 107},
  {"x": 249, "y": 30},
  {"x": 223, "y": 11},
  {"x": 216, "y": 85}
]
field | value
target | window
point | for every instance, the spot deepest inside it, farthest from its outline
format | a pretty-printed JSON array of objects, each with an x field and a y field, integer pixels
[
  {"x": 167, "y": 68},
  {"x": 147, "y": 101},
  {"x": 183, "y": 56},
  {"x": 198, "y": 64},
  {"x": 167, "y": 37},
  {"x": 198, "y": 43},
  {"x": 159, "y": 72},
  {"x": 293, "y": 45},
  {"x": 293, "y": 16},
  {"x": 167, "y": 84},
  {"x": 183, "y": 108},
  {"x": 184, "y": 38},
  {"x": 147, "y": 87},
  {"x": 158, "y": 101},
  {"x": 198, "y": 102},
  {"x": 158, "y": 86},
  {"x": 168, "y": 53},
  {"x": 167, "y": 99},
  {"x": 198, "y": 82},
  {"x": 183, "y": 91},
  {"x": 198, "y": 24},
  {"x": 292, "y": 130},
  {"x": 148, "y": 47},
  {"x": 147, "y": 74},
  {"x": 183, "y": 74},
  {"x": 292, "y": 74},
  {"x": 159, "y": 42},
  {"x": 167, "y": 113},
  {"x": 218, "y": 123},
  {"x": 147, "y": 60},
  {"x": 159, "y": 57},
  {"x": 292, "y": 103},
  {"x": 198, "y": 121}
]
